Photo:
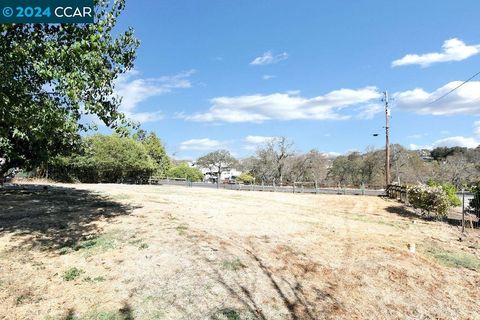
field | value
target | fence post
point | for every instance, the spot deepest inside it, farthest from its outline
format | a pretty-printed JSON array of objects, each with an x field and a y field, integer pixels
[{"x": 463, "y": 210}]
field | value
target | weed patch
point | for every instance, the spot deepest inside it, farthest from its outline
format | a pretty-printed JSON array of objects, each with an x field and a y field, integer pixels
[
  {"x": 90, "y": 246},
  {"x": 93, "y": 280},
  {"x": 139, "y": 243},
  {"x": 233, "y": 265},
  {"x": 98, "y": 243},
  {"x": 23, "y": 298},
  {"x": 456, "y": 259},
  {"x": 227, "y": 314},
  {"x": 181, "y": 229},
  {"x": 72, "y": 274}
]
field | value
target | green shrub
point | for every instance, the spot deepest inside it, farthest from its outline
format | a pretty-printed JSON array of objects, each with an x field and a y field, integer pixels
[
  {"x": 72, "y": 274},
  {"x": 246, "y": 178},
  {"x": 429, "y": 200},
  {"x": 449, "y": 189},
  {"x": 184, "y": 171},
  {"x": 111, "y": 158}
]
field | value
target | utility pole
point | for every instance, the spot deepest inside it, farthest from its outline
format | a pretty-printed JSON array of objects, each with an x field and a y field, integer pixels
[{"x": 387, "y": 141}]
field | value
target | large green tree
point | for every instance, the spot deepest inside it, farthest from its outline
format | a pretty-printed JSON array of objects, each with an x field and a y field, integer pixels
[
  {"x": 157, "y": 152},
  {"x": 52, "y": 75},
  {"x": 105, "y": 158}
]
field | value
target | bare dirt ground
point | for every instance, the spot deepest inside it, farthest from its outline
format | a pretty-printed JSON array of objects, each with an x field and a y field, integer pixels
[{"x": 164, "y": 252}]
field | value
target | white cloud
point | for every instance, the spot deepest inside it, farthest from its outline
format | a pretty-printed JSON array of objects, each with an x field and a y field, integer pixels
[
  {"x": 284, "y": 106},
  {"x": 457, "y": 141},
  {"x": 331, "y": 154},
  {"x": 413, "y": 146},
  {"x": 143, "y": 117},
  {"x": 293, "y": 92},
  {"x": 464, "y": 100},
  {"x": 476, "y": 126},
  {"x": 204, "y": 144},
  {"x": 135, "y": 90},
  {"x": 417, "y": 135},
  {"x": 369, "y": 111},
  {"x": 253, "y": 142},
  {"x": 267, "y": 77},
  {"x": 258, "y": 139},
  {"x": 453, "y": 50},
  {"x": 269, "y": 58}
]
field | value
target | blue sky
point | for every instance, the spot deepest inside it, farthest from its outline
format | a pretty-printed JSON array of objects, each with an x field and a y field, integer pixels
[{"x": 228, "y": 74}]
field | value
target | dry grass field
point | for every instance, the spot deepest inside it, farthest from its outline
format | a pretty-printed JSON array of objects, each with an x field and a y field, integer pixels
[{"x": 164, "y": 252}]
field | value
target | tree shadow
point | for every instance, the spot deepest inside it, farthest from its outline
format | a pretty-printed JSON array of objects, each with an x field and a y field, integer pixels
[
  {"x": 301, "y": 303},
  {"x": 52, "y": 217},
  {"x": 298, "y": 306},
  {"x": 124, "y": 313},
  {"x": 404, "y": 211}
]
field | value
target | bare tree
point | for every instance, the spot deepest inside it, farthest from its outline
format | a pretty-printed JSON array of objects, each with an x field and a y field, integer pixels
[
  {"x": 279, "y": 149},
  {"x": 457, "y": 170},
  {"x": 296, "y": 168},
  {"x": 264, "y": 165},
  {"x": 317, "y": 168}
]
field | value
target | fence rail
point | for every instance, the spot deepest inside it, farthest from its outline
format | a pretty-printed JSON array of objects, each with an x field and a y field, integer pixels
[
  {"x": 295, "y": 188},
  {"x": 397, "y": 192}
]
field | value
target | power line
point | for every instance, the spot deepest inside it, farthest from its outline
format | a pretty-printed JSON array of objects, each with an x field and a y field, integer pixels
[{"x": 446, "y": 94}]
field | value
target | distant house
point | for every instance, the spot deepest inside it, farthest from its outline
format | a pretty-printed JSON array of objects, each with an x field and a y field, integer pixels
[
  {"x": 425, "y": 155},
  {"x": 208, "y": 176}
]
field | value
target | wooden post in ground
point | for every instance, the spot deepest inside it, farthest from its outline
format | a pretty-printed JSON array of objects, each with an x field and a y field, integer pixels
[{"x": 463, "y": 210}]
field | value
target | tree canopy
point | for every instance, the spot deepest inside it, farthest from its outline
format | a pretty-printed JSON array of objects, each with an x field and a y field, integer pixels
[
  {"x": 52, "y": 75},
  {"x": 110, "y": 158}
]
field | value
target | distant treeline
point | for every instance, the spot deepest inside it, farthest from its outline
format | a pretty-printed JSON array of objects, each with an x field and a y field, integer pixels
[
  {"x": 456, "y": 166},
  {"x": 114, "y": 158},
  {"x": 276, "y": 162}
]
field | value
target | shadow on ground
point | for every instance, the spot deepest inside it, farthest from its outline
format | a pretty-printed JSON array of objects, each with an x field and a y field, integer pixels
[
  {"x": 404, "y": 211},
  {"x": 125, "y": 313},
  {"x": 52, "y": 217},
  {"x": 454, "y": 219}
]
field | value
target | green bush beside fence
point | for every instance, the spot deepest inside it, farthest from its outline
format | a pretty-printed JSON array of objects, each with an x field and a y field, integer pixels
[{"x": 430, "y": 200}]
